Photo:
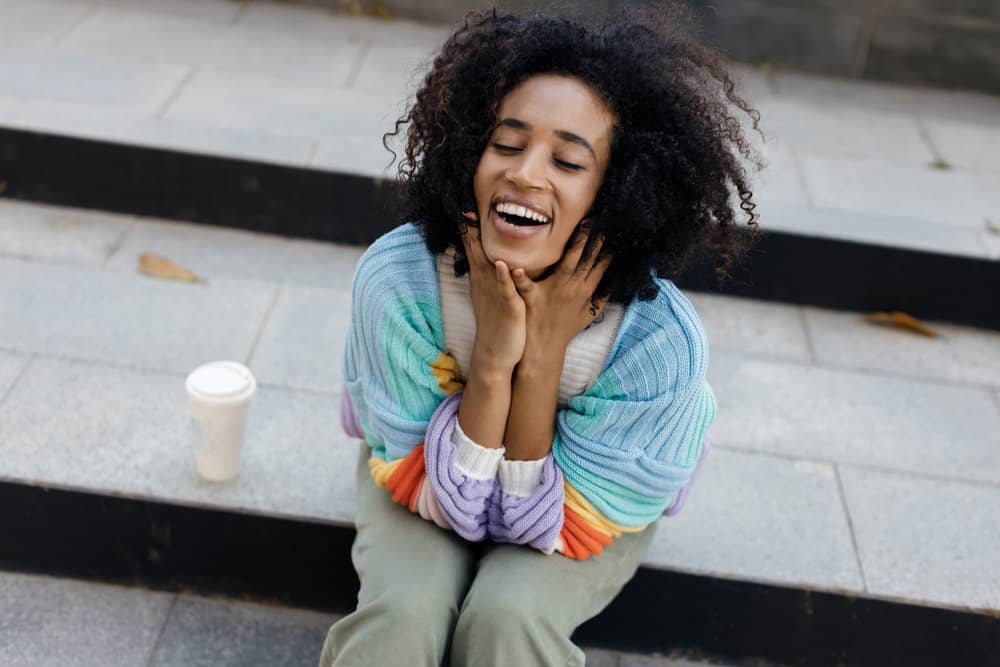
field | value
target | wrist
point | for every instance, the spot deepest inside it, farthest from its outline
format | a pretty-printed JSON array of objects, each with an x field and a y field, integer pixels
[
  {"x": 489, "y": 369},
  {"x": 542, "y": 360}
]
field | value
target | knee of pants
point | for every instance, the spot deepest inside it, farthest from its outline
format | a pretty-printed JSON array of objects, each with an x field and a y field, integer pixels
[
  {"x": 503, "y": 618},
  {"x": 422, "y": 618}
]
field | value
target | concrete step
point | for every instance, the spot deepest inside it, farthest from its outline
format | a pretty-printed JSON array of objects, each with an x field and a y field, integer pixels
[
  {"x": 851, "y": 496},
  {"x": 876, "y": 197},
  {"x": 60, "y": 621}
]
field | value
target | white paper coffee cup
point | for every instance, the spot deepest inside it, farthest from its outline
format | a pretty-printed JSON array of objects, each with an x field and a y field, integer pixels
[{"x": 220, "y": 394}]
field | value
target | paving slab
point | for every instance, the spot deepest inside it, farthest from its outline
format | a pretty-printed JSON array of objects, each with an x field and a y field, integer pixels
[
  {"x": 395, "y": 68},
  {"x": 55, "y": 233},
  {"x": 111, "y": 85},
  {"x": 844, "y": 416},
  {"x": 11, "y": 367},
  {"x": 762, "y": 518},
  {"x": 218, "y": 12},
  {"x": 49, "y": 621},
  {"x": 137, "y": 440},
  {"x": 217, "y": 252},
  {"x": 328, "y": 23},
  {"x": 216, "y": 632},
  {"x": 780, "y": 181},
  {"x": 959, "y": 354},
  {"x": 116, "y": 31},
  {"x": 257, "y": 103},
  {"x": 931, "y": 540},
  {"x": 757, "y": 328},
  {"x": 826, "y": 91},
  {"x": 955, "y": 197},
  {"x": 302, "y": 345},
  {"x": 126, "y": 318},
  {"x": 874, "y": 228},
  {"x": 39, "y": 23},
  {"x": 964, "y": 144},
  {"x": 839, "y": 130}
]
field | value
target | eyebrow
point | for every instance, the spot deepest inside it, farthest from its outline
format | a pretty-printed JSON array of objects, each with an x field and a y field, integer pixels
[{"x": 565, "y": 135}]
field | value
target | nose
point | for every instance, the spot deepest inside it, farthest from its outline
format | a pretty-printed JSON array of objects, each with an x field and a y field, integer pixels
[{"x": 528, "y": 172}]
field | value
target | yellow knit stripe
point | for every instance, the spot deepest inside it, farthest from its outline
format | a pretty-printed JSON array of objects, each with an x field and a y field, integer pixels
[
  {"x": 445, "y": 370},
  {"x": 576, "y": 502},
  {"x": 381, "y": 470}
]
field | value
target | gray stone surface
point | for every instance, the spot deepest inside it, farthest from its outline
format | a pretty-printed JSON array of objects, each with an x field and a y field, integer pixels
[
  {"x": 837, "y": 130},
  {"x": 110, "y": 85},
  {"x": 958, "y": 354},
  {"x": 38, "y": 23},
  {"x": 395, "y": 68},
  {"x": 148, "y": 130},
  {"x": 921, "y": 48},
  {"x": 51, "y": 232},
  {"x": 57, "y": 622},
  {"x": 877, "y": 229},
  {"x": 757, "y": 328},
  {"x": 219, "y": 12},
  {"x": 881, "y": 188},
  {"x": 136, "y": 440},
  {"x": 830, "y": 92},
  {"x": 926, "y": 539},
  {"x": 811, "y": 36},
  {"x": 207, "y": 632},
  {"x": 255, "y": 103},
  {"x": 302, "y": 345},
  {"x": 762, "y": 518},
  {"x": 779, "y": 183},
  {"x": 327, "y": 23},
  {"x": 217, "y": 252},
  {"x": 600, "y": 658},
  {"x": 855, "y": 417},
  {"x": 11, "y": 367},
  {"x": 657, "y": 660},
  {"x": 126, "y": 318},
  {"x": 184, "y": 41},
  {"x": 965, "y": 144}
]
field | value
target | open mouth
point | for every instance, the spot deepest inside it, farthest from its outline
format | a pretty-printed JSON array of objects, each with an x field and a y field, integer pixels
[{"x": 520, "y": 216}]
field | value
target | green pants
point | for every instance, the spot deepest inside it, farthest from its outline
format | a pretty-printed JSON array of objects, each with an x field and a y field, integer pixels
[{"x": 430, "y": 598}]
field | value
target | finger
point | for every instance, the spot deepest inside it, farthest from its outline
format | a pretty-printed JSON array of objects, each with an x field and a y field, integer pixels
[
  {"x": 471, "y": 239},
  {"x": 506, "y": 282},
  {"x": 571, "y": 258},
  {"x": 598, "y": 270},
  {"x": 591, "y": 253},
  {"x": 522, "y": 282}
]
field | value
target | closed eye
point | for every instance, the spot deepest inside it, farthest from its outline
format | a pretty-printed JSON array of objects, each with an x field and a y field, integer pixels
[{"x": 562, "y": 163}]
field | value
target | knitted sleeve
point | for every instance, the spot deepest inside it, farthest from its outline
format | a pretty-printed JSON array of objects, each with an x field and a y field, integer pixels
[
  {"x": 402, "y": 390},
  {"x": 626, "y": 450},
  {"x": 628, "y": 447}
]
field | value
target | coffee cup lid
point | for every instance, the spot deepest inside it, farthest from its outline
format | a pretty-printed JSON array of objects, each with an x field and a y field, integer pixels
[{"x": 221, "y": 380}]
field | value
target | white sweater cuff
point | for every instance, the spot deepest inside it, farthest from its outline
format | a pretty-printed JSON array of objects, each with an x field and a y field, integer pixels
[
  {"x": 521, "y": 478},
  {"x": 474, "y": 460}
]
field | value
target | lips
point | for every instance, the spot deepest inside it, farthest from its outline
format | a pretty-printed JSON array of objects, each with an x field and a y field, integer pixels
[{"x": 514, "y": 231}]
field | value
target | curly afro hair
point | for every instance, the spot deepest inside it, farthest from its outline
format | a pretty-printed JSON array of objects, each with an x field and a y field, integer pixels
[{"x": 677, "y": 177}]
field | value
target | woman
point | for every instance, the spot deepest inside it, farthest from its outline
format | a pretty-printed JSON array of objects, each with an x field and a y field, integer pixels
[{"x": 529, "y": 383}]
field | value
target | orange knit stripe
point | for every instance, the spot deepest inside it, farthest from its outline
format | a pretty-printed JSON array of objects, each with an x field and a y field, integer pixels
[
  {"x": 571, "y": 546},
  {"x": 592, "y": 540},
  {"x": 404, "y": 482}
]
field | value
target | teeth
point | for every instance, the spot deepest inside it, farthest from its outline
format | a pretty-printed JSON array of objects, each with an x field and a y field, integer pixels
[{"x": 514, "y": 209}]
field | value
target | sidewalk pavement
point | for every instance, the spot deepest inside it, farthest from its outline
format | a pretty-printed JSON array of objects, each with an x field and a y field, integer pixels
[
  {"x": 56, "y": 622},
  {"x": 847, "y": 457},
  {"x": 302, "y": 85}
]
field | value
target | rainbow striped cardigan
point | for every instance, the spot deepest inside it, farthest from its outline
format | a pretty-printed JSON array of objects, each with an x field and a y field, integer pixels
[{"x": 625, "y": 450}]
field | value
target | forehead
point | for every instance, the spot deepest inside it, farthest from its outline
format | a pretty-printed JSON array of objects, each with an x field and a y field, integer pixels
[{"x": 553, "y": 102}]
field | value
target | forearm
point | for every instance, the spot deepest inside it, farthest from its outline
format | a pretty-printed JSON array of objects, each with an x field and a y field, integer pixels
[
  {"x": 485, "y": 401},
  {"x": 531, "y": 424}
]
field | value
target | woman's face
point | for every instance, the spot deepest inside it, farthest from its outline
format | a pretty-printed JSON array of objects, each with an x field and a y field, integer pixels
[{"x": 545, "y": 159}]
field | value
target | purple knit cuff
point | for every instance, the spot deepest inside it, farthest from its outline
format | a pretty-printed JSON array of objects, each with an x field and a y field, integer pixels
[
  {"x": 681, "y": 497},
  {"x": 535, "y": 520},
  {"x": 463, "y": 499},
  {"x": 348, "y": 418}
]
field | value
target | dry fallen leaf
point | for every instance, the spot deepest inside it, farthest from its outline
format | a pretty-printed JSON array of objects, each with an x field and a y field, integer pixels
[
  {"x": 3, "y": 187},
  {"x": 901, "y": 320},
  {"x": 161, "y": 267}
]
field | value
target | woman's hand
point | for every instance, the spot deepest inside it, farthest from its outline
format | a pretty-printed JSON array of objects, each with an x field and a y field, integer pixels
[
  {"x": 559, "y": 307},
  {"x": 499, "y": 309}
]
